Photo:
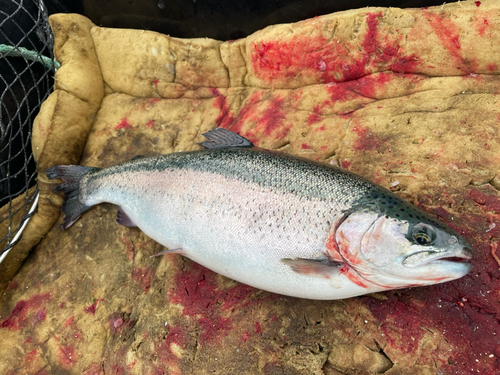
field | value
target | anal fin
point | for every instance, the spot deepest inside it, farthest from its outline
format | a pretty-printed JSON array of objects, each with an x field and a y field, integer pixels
[
  {"x": 123, "y": 219},
  {"x": 320, "y": 267},
  {"x": 168, "y": 251}
]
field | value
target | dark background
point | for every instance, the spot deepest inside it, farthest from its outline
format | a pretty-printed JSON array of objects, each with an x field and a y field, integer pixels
[{"x": 218, "y": 19}]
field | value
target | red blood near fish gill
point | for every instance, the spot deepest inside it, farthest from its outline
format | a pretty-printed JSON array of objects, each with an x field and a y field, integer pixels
[
  {"x": 353, "y": 276},
  {"x": 456, "y": 311},
  {"x": 332, "y": 248},
  {"x": 18, "y": 317}
]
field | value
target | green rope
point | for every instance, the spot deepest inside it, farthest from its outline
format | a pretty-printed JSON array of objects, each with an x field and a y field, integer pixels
[{"x": 49, "y": 63}]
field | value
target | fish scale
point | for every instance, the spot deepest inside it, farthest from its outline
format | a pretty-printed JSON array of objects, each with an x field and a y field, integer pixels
[{"x": 271, "y": 220}]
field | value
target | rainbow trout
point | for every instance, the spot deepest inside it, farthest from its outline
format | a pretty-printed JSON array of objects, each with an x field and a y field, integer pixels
[{"x": 274, "y": 221}]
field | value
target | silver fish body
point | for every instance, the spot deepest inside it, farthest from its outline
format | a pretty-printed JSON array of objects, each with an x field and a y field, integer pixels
[{"x": 274, "y": 221}]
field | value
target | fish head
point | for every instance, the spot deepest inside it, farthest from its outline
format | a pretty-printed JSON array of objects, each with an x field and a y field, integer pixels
[{"x": 397, "y": 245}]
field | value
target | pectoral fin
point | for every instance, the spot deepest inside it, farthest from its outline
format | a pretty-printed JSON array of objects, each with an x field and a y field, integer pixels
[{"x": 320, "y": 267}]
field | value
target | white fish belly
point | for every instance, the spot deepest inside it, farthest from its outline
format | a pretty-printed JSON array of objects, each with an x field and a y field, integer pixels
[{"x": 238, "y": 229}]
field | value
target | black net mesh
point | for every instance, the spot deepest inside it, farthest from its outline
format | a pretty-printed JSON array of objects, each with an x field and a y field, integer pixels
[{"x": 26, "y": 79}]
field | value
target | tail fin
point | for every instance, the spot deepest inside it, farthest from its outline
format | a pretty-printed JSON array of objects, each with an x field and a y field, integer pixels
[{"x": 71, "y": 175}]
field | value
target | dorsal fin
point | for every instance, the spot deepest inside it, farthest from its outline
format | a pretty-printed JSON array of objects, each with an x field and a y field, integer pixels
[{"x": 223, "y": 138}]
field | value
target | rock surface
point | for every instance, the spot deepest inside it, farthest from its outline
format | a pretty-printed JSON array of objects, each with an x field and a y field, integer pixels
[{"x": 406, "y": 98}]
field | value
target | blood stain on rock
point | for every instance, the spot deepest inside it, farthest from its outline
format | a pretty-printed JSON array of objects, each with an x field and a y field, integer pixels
[
  {"x": 225, "y": 117},
  {"x": 92, "y": 308},
  {"x": 448, "y": 34},
  {"x": 246, "y": 114},
  {"x": 464, "y": 311},
  {"x": 40, "y": 315},
  {"x": 144, "y": 277},
  {"x": 18, "y": 317},
  {"x": 67, "y": 356},
  {"x": 124, "y": 124},
  {"x": 197, "y": 291},
  {"x": 330, "y": 62},
  {"x": 367, "y": 141},
  {"x": 272, "y": 116},
  {"x": 313, "y": 118}
]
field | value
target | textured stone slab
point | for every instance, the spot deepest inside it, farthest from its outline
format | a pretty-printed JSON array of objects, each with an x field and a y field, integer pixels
[{"x": 406, "y": 98}]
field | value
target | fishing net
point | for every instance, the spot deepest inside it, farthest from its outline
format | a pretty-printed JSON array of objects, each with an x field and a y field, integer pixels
[{"x": 26, "y": 79}]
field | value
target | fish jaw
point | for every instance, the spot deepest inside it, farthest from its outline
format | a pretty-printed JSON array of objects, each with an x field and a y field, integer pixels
[{"x": 453, "y": 262}]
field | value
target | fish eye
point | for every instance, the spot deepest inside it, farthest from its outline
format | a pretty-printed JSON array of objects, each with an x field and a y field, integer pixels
[
  {"x": 423, "y": 234},
  {"x": 422, "y": 238}
]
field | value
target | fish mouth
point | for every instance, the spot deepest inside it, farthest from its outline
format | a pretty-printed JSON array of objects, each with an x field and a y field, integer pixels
[{"x": 422, "y": 258}]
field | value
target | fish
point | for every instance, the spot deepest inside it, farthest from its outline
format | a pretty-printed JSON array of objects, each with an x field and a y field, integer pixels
[{"x": 271, "y": 220}]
